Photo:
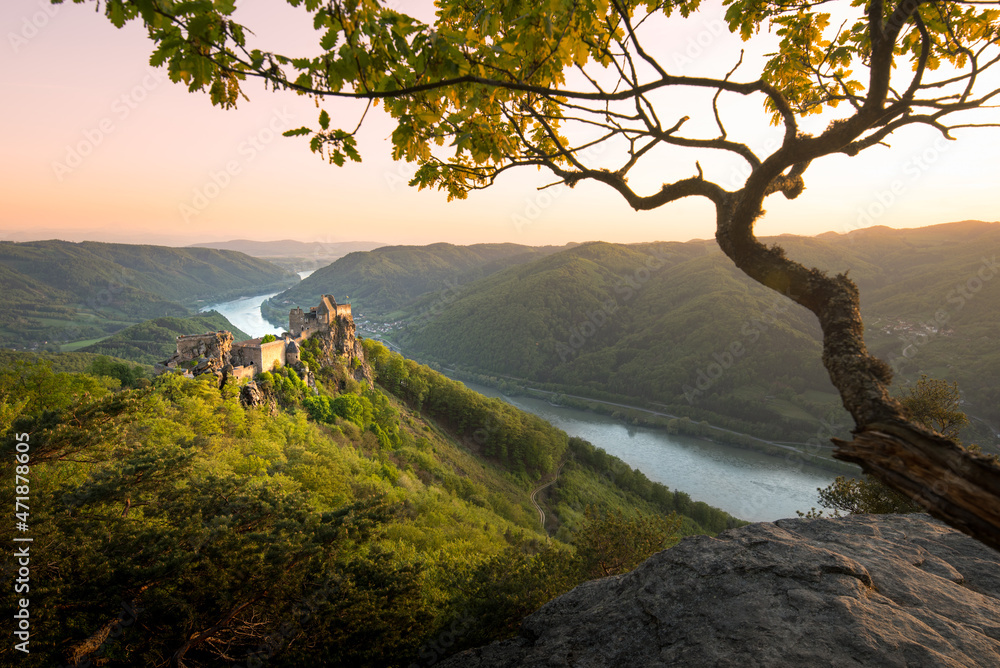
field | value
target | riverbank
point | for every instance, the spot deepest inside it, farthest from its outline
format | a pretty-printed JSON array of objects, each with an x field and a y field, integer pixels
[{"x": 816, "y": 454}]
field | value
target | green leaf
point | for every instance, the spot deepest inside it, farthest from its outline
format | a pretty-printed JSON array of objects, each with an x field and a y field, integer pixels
[
  {"x": 324, "y": 120},
  {"x": 329, "y": 40},
  {"x": 297, "y": 132},
  {"x": 116, "y": 13}
]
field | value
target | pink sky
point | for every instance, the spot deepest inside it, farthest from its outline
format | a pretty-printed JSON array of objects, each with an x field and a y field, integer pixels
[{"x": 98, "y": 145}]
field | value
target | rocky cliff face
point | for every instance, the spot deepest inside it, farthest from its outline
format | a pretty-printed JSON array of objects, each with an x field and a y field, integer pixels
[
  {"x": 342, "y": 341},
  {"x": 866, "y": 590}
]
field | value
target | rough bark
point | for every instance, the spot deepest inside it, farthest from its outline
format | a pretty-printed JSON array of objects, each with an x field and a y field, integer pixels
[{"x": 954, "y": 485}]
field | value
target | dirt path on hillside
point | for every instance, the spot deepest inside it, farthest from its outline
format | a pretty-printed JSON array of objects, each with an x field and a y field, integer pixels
[{"x": 541, "y": 513}]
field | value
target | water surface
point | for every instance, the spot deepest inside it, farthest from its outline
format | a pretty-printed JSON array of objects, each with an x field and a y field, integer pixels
[
  {"x": 748, "y": 484},
  {"x": 245, "y": 312}
]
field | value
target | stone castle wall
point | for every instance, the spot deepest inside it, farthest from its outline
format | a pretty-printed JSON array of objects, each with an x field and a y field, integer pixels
[
  {"x": 216, "y": 351},
  {"x": 244, "y": 372},
  {"x": 271, "y": 355}
]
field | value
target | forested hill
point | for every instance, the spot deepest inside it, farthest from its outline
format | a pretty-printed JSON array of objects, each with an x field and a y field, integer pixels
[
  {"x": 155, "y": 340},
  {"x": 389, "y": 278},
  {"x": 80, "y": 270},
  {"x": 62, "y": 291},
  {"x": 675, "y": 325},
  {"x": 379, "y": 519}
]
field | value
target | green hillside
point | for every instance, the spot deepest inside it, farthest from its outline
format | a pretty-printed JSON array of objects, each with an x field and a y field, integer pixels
[
  {"x": 382, "y": 281},
  {"x": 375, "y": 521},
  {"x": 57, "y": 292},
  {"x": 676, "y": 326},
  {"x": 155, "y": 340}
]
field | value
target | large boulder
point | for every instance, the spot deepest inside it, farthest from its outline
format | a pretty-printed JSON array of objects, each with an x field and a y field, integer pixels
[{"x": 865, "y": 590}]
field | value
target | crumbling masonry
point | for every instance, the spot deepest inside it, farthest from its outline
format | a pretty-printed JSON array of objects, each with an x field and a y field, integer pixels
[{"x": 216, "y": 352}]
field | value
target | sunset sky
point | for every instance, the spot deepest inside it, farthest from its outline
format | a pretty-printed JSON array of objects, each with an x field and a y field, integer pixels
[{"x": 98, "y": 145}]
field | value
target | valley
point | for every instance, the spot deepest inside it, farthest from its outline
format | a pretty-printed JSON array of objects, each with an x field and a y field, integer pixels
[
  {"x": 673, "y": 327},
  {"x": 531, "y": 472}
]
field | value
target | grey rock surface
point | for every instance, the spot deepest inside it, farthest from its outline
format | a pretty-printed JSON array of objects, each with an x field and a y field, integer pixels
[{"x": 865, "y": 590}]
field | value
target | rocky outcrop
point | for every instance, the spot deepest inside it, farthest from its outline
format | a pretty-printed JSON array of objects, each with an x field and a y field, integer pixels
[
  {"x": 209, "y": 352},
  {"x": 341, "y": 341},
  {"x": 865, "y": 590},
  {"x": 331, "y": 325},
  {"x": 251, "y": 395}
]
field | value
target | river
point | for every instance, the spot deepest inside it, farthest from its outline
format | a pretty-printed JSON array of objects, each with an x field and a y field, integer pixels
[
  {"x": 744, "y": 483},
  {"x": 245, "y": 312}
]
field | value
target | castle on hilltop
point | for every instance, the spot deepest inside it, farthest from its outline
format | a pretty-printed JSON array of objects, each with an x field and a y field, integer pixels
[
  {"x": 216, "y": 352},
  {"x": 319, "y": 318}
]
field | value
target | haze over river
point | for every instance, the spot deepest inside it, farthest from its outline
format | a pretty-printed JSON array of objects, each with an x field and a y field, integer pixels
[{"x": 744, "y": 483}]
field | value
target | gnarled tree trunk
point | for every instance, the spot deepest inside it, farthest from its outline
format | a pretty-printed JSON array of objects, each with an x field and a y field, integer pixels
[{"x": 953, "y": 484}]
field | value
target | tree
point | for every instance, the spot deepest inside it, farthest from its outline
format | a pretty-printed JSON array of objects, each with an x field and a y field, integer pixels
[
  {"x": 933, "y": 404},
  {"x": 493, "y": 86},
  {"x": 611, "y": 543}
]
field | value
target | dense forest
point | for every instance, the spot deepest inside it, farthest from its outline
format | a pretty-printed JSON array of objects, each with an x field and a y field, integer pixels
[
  {"x": 58, "y": 292},
  {"x": 627, "y": 323},
  {"x": 342, "y": 525}
]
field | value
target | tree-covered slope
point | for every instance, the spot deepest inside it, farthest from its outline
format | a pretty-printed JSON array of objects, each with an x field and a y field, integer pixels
[
  {"x": 59, "y": 291},
  {"x": 155, "y": 340},
  {"x": 348, "y": 527},
  {"x": 676, "y": 325},
  {"x": 386, "y": 279},
  {"x": 182, "y": 275}
]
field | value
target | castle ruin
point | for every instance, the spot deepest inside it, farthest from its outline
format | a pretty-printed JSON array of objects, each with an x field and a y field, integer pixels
[
  {"x": 319, "y": 318},
  {"x": 216, "y": 352}
]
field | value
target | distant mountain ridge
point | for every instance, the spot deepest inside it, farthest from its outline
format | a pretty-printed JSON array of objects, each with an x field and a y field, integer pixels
[
  {"x": 64, "y": 291},
  {"x": 290, "y": 247},
  {"x": 291, "y": 254}
]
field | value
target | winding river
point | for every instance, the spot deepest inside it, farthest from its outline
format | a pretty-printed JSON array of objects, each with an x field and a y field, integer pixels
[
  {"x": 245, "y": 312},
  {"x": 744, "y": 483}
]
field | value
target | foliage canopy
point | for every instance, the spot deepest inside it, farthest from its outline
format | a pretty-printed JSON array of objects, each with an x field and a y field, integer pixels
[{"x": 174, "y": 526}]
